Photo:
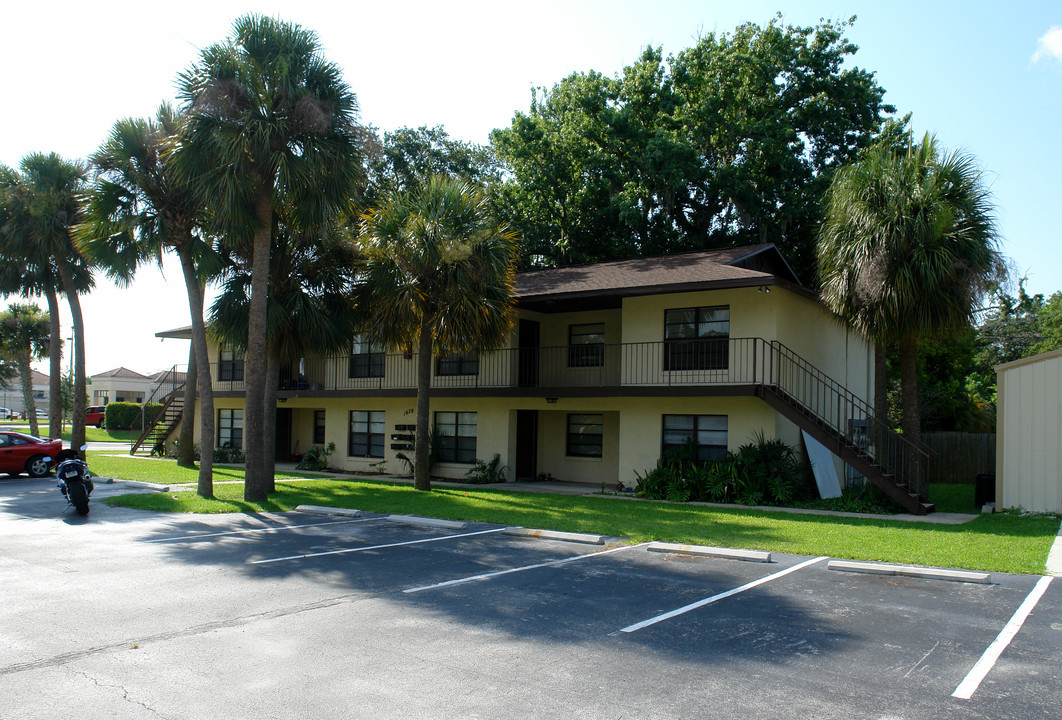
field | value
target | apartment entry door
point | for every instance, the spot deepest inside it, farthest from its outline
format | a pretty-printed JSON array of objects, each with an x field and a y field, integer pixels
[
  {"x": 526, "y": 445},
  {"x": 528, "y": 349},
  {"x": 283, "y": 452}
]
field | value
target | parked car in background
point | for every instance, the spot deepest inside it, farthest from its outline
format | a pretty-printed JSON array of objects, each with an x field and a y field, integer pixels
[
  {"x": 94, "y": 415},
  {"x": 22, "y": 453},
  {"x": 6, "y": 414}
]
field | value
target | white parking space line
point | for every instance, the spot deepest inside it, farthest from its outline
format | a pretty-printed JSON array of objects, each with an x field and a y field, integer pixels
[
  {"x": 177, "y": 538},
  {"x": 720, "y": 596},
  {"x": 375, "y": 547},
  {"x": 973, "y": 679},
  {"x": 551, "y": 563}
]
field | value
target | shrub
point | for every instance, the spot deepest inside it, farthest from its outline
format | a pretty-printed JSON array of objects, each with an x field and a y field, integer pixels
[
  {"x": 126, "y": 415},
  {"x": 316, "y": 458},
  {"x": 483, "y": 472},
  {"x": 229, "y": 454}
]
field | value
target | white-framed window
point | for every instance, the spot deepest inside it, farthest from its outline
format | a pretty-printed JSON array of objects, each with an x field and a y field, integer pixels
[
  {"x": 230, "y": 427},
  {"x": 366, "y": 437},
  {"x": 230, "y": 364}
]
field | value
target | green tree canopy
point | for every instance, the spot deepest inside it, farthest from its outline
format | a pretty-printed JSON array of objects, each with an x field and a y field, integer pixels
[{"x": 731, "y": 141}]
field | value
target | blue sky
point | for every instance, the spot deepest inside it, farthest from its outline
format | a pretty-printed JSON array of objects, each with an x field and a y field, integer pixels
[{"x": 965, "y": 70}]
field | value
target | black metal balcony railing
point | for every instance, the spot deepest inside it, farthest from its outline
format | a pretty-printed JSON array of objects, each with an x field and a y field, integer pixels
[{"x": 769, "y": 368}]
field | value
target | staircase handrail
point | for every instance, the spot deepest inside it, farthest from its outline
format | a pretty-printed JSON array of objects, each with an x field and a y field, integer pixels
[{"x": 897, "y": 455}]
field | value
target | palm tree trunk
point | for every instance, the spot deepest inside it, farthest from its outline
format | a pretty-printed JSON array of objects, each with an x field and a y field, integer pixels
[
  {"x": 185, "y": 449},
  {"x": 421, "y": 444},
  {"x": 55, "y": 366},
  {"x": 26, "y": 374},
  {"x": 256, "y": 486},
  {"x": 77, "y": 425},
  {"x": 270, "y": 418},
  {"x": 912, "y": 420},
  {"x": 205, "y": 485},
  {"x": 881, "y": 399}
]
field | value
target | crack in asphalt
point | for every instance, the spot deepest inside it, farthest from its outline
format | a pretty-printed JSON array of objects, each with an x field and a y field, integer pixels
[
  {"x": 125, "y": 692},
  {"x": 126, "y": 644}
]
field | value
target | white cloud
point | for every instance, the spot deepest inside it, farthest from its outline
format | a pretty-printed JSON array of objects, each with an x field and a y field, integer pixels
[{"x": 1049, "y": 45}]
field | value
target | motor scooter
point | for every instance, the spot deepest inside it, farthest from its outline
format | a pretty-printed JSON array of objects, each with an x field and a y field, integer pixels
[{"x": 73, "y": 479}]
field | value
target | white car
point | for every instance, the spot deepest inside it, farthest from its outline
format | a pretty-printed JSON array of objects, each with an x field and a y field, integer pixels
[{"x": 6, "y": 414}]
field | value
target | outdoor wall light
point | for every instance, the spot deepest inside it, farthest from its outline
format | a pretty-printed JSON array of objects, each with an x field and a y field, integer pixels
[{"x": 764, "y": 289}]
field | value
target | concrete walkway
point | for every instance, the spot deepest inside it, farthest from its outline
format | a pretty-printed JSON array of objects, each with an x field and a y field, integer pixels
[{"x": 1054, "y": 558}]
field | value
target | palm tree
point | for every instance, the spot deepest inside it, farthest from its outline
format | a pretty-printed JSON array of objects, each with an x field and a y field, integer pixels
[
  {"x": 43, "y": 204},
  {"x": 907, "y": 247},
  {"x": 137, "y": 208},
  {"x": 311, "y": 306},
  {"x": 439, "y": 275},
  {"x": 268, "y": 120},
  {"x": 25, "y": 339}
]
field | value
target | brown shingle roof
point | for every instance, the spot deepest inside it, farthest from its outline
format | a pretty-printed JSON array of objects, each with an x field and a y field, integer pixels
[{"x": 705, "y": 267}]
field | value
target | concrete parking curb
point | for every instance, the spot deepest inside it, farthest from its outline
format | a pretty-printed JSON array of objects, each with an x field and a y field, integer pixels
[
  {"x": 320, "y": 509},
  {"x": 708, "y": 551},
  {"x": 909, "y": 571},
  {"x": 556, "y": 535},
  {"x": 430, "y": 522},
  {"x": 145, "y": 485}
]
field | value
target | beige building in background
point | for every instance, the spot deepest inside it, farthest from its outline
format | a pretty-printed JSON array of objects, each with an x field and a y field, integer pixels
[{"x": 1029, "y": 433}]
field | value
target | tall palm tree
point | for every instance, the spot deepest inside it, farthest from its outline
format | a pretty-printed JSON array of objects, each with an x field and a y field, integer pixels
[
  {"x": 268, "y": 120},
  {"x": 137, "y": 208},
  {"x": 311, "y": 306},
  {"x": 907, "y": 247},
  {"x": 30, "y": 276},
  {"x": 44, "y": 205},
  {"x": 439, "y": 275},
  {"x": 25, "y": 339}
]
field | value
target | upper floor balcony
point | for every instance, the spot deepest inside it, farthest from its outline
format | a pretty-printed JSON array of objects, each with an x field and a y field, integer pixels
[{"x": 565, "y": 370}]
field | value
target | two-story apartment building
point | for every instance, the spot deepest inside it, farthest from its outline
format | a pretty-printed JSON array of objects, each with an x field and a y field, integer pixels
[{"x": 609, "y": 366}]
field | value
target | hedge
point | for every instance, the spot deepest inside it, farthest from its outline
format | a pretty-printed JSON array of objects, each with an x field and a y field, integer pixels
[{"x": 124, "y": 415}]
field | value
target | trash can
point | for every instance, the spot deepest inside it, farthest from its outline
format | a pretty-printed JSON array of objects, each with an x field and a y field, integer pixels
[{"x": 984, "y": 489}]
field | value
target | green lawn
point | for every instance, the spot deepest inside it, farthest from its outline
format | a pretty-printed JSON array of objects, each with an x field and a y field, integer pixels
[
  {"x": 1003, "y": 542},
  {"x": 92, "y": 434}
]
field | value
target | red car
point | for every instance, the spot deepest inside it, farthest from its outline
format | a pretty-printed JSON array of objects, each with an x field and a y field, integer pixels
[
  {"x": 95, "y": 414},
  {"x": 21, "y": 453}
]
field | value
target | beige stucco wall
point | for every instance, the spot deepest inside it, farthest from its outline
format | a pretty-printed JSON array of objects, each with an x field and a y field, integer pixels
[{"x": 1028, "y": 435}]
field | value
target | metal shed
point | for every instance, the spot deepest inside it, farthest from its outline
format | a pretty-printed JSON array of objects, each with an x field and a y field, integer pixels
[{"x": 1029, "y": 433}]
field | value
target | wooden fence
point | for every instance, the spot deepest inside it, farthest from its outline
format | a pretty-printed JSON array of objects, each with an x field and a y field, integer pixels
[{"x": 957, "y": 457}]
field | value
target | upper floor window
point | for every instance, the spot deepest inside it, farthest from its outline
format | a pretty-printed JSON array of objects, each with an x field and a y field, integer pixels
[
  {"x": 697, "y": 338},
  {"x": 230, "y": 364},
  {"x": 586, "y": 345},
  {"x": 463, "y": 364},
  {"x": 366, "y": 358}
]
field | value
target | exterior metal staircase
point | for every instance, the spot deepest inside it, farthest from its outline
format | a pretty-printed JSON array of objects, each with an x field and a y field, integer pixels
[
  {"x": 154, "y": 431},
  {"x": 847, "y": 426}
]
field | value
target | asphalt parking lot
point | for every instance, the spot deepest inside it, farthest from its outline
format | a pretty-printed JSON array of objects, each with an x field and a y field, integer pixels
[{"x": 128, "y": 614}]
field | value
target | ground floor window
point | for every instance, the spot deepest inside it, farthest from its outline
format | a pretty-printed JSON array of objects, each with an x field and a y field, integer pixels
[
  {"x": 694, "y": 437},
  {"x": 318, "y": 427},
  {"x": 456, "y": 436},
  {"x": 584, "y": 435},
  {"x": 366, "y": 434},
  {"x": 230, "y": 428}
]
